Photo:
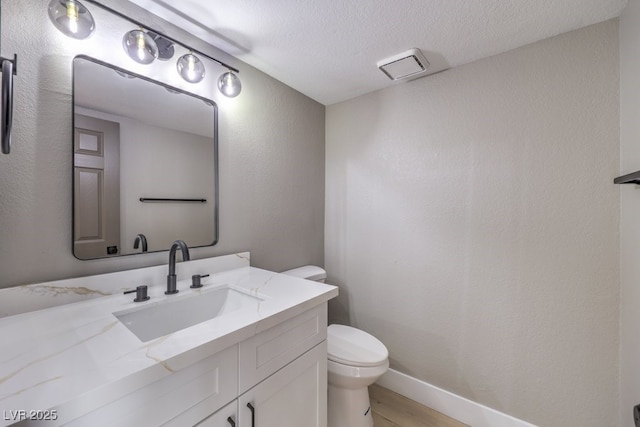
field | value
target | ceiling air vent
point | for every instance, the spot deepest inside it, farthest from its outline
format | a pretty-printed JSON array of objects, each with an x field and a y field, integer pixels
[{"x": 404, "y": 65}]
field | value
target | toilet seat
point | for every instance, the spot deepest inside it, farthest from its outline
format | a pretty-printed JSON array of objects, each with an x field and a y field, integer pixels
[{"x": 353, "y": 347}]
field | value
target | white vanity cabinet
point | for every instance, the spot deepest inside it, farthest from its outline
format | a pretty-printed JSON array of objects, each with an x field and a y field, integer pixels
[
  {"x": 282, "y": 377},
  {"x": 283, "y": 374},
  {"x": 86, "y": 367},
  {"x": 292, "y": 397}
]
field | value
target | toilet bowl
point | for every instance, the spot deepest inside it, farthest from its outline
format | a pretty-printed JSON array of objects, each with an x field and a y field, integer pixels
[{"x": 356, "y": 360}]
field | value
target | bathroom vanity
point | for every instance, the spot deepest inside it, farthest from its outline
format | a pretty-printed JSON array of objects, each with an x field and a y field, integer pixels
[{"x": 259, "y": 360}]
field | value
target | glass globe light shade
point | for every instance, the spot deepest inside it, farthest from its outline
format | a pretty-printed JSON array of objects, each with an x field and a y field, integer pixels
[
  {"x": 191, "y": 68},
  {"x": 140, "y": 47},
  {"x": 71, "y": 18},
  {"x": 229, "y": 84}
]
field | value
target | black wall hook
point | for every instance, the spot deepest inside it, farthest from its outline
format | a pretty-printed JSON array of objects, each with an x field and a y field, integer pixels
[{"x": 9, "y": 69}]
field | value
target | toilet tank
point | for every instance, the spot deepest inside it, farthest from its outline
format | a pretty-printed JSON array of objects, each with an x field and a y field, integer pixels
[{"x": 309, "y": 272}]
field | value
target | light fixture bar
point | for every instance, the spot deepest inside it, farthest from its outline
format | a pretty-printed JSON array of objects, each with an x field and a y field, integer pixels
[{"x": 140, "y": 24}]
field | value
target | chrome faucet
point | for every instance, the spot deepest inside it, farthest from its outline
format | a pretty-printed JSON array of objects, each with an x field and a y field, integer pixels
[
  {"x": 141, "y": 238},
  {"x": 171, "y": 278}
]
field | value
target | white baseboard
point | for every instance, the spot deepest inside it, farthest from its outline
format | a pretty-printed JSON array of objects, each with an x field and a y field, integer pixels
[{"x": 452, "y": 405}]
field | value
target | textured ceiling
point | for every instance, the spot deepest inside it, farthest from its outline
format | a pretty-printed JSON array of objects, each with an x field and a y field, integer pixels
[{"x": 328, "y": 49}]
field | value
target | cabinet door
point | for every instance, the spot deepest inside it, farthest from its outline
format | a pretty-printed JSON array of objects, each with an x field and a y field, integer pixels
[
  {"x": 294, "y": 396},
  {"x": 225, "y": 417}
]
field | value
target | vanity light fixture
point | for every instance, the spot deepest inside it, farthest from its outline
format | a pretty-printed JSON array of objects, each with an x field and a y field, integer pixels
[
  {"x": 191, "y": 68},
  {"x": 143, "y": 45},
  {"x": 140, "y": 46},
  {"x": 71, "y": 18}
]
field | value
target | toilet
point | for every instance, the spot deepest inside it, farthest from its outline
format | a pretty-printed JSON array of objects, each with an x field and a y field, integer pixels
[{"x": 356, "y": 360}]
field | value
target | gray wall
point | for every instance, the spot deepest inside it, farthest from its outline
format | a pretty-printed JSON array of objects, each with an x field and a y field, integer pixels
[
  {"x": 472, "y": 224},
  {"x": 271, "y": 154},
  {"x": 629, "y": 212}
]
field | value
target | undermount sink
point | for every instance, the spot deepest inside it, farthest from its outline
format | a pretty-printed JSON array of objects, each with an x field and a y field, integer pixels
[{"x": 180, "y": 312}]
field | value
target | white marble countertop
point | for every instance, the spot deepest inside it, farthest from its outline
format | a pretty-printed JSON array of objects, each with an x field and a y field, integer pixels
[{"x": 76, "y": 357}]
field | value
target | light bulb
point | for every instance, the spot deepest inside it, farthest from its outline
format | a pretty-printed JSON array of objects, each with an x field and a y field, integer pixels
[
  {"x": 191, "y": 68},
  {"x": 141, "y": 45},
  {"x": 71, "y": 18},
  {"x": 72, "y": 15},
  {"x": 229, "y": 84}
]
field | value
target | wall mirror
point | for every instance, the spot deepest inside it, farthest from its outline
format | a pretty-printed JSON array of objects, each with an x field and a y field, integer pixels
[{"x": 145, "y": 163}]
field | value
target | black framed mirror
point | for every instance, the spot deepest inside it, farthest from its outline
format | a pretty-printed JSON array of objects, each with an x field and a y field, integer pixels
[{"x": 145, "y": 163}]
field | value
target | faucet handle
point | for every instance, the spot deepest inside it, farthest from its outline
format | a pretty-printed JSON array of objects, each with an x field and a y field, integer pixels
[
  {"x": 141, "y": 293},
  {"x": 195, "y": 280}
]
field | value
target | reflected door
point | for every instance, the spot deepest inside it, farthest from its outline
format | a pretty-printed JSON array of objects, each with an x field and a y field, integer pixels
[{"x": 96, "y": 187}]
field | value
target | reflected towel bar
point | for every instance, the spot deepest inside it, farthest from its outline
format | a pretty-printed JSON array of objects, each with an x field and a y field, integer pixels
[{"x": 154, "y": 199}]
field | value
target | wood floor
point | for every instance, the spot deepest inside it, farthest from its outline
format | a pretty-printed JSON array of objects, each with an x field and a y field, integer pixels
[{"x": 393, "y": 410}]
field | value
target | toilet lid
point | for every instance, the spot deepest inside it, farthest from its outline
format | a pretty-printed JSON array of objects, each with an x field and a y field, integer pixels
[{"x": 351, "y": 346}]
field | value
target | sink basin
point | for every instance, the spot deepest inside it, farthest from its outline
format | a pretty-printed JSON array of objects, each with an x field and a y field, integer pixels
[{"x": 180, "y": 312}]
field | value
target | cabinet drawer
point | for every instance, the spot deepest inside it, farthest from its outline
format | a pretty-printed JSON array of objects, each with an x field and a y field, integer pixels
[
  {"x": 202, "y": 388},
  {"x": 265, "y": 353}
]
